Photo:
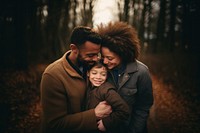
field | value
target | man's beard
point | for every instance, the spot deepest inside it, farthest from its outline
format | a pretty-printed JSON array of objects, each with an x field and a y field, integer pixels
[{"x": 84, "y": 63}]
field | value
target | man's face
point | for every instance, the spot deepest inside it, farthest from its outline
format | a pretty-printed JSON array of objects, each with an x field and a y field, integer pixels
[{"x": 88, "y": 53}]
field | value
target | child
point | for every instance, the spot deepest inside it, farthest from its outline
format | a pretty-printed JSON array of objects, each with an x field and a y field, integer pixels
[{"x": 100, "y": 90}]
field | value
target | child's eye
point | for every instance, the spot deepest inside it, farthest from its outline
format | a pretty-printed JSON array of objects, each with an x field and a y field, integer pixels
[
  {"x": 93, "y": 72},
  {"x": 103, "y": 74}
]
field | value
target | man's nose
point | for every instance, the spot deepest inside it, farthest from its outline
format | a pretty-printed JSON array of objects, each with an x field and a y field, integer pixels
[{"x": 95, "y": 58}]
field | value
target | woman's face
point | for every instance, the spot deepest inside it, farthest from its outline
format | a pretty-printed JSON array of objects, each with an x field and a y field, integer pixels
[{"x": 111, "y": 59}]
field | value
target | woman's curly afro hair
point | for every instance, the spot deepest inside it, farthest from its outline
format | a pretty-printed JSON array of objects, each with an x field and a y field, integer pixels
[{"x": 120, "y": 38}]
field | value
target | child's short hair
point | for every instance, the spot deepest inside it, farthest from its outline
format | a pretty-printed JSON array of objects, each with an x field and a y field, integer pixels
[{"x": 98, "y": 64}]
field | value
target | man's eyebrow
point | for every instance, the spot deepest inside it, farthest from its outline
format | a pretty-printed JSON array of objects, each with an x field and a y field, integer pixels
[{"x": 92, "y": 54}]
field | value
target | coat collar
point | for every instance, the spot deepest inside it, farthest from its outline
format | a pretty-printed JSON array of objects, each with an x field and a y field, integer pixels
[
  {"x": 68, "y": 68},
  {"x": 132, "y": 67}
]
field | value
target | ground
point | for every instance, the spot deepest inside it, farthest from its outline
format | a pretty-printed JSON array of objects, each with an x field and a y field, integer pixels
[
  {"x": 176, "y": 93},
  {"x": 172, "y": 112},
  {"x": 175, "y": 81}
]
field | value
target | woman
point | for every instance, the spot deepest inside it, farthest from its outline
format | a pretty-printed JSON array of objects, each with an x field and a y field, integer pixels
[{"x": 120, "y": 50}]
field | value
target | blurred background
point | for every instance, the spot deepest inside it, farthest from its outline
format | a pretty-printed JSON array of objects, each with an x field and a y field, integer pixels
[{"x": 34, "y": 33}]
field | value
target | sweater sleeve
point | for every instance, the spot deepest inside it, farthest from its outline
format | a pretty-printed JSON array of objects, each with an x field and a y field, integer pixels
[{"x": 120, "y": 108}]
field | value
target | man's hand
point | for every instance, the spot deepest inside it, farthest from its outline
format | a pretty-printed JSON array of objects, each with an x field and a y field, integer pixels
[
  {"x": 102, "y": 110},
  {"x": 101, "y": 126}
]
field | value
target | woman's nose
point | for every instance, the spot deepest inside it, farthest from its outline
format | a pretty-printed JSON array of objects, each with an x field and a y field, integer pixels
[{"x": 105, "y": 61}]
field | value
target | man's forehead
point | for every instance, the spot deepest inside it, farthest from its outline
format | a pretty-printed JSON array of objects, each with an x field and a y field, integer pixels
[
  {"x": 90, "y": 50},
  {"x": 91, "y": 45}
]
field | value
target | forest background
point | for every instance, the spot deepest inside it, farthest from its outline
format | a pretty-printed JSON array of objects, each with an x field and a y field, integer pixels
[{"x": 34, "y": 33}]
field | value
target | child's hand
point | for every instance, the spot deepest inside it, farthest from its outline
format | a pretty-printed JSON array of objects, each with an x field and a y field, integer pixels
[{"x": 101, "y": 126}]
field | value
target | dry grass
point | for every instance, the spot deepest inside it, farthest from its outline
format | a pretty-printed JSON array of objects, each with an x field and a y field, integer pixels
[{"x": 176, "y": 93}]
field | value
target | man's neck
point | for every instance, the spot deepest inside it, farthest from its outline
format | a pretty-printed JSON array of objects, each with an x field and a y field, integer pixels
[
  {"x": 73, "y": 63},
  {"x": 73, "y": 59}
]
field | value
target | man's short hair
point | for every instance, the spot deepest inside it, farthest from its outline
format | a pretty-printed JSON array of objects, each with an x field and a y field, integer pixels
[{"x": 81, "y": 34}]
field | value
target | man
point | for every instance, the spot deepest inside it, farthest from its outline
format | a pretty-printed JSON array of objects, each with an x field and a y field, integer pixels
[{"x": 63, "y": 87}]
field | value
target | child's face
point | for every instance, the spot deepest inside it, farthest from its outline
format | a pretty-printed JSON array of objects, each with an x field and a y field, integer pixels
[{"x": 97, "y": 76}]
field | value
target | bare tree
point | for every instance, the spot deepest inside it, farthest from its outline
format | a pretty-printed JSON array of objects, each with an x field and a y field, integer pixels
[
  {"x": 160, "y": 25},
  {"x": 126, "y": 10},
  {"x": 87, "y": 12},
  {"x": 171, "y": 36}
]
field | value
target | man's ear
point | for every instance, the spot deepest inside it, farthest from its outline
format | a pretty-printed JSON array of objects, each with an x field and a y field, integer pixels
[{"x": 74, "y": 48}]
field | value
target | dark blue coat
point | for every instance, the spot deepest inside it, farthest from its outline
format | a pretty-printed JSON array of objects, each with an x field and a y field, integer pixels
[{"x": 135, "y": 87}]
